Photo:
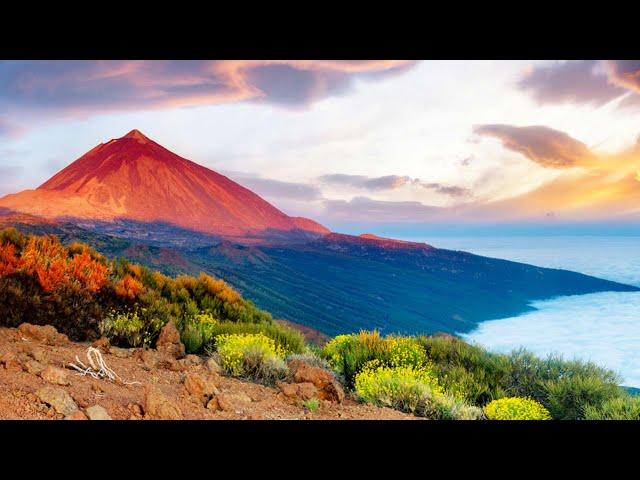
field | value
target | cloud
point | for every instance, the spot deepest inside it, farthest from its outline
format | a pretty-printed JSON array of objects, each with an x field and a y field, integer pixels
[
  {"x": 579, "y": 81},
  {"x": 584, "y": 81},
  {"x": 389, "y": 182},
  {"x": 625, "y": 73},
  {"x": 543, "y": 145},
  {"x": 103, "y": 86},
  {"x": 266, "y": 187},
  {"x": 364, "y": 208}
]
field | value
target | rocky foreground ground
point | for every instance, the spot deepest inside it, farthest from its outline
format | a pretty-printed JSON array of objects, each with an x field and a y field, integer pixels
[{"x": 37, "y": 382}]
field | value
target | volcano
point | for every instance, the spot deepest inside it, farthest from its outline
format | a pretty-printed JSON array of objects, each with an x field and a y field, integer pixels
[{"x": 135, "y": 178}]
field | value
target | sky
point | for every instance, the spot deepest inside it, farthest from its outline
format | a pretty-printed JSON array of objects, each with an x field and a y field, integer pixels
[{"x": 354, "y": 144}]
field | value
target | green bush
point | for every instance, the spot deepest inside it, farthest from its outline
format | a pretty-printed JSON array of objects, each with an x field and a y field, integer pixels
[
  {"x": 565, "y": 388},
  {"x": 624, "y": 407},
  {"x": 466, "y": 371},
  {"x": 131, "y": 329},
  {"x": 516, "y": 408}
]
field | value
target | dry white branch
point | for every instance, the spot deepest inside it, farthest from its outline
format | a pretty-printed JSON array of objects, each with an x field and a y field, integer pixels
[{"x": 98, "y": 367}]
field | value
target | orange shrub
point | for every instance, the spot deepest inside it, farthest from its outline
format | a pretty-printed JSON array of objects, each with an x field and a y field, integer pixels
[
  {"x": 128, "y": 287},
  {"x": 8, "y": 259}
]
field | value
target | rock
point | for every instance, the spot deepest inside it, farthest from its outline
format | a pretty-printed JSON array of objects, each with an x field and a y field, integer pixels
[
  {"x": 46, "y": 334},
  {"x": 169, "y": 335},
  {"x": 213, "y": 404},
  {"x": 77, "y": 415},
  {"x": 213, "y": 366},
  {"x": 158, "y": 406},
  {"x": 169, "y": 341},
  {"x": 230, "y": 402},
  {"x": 121, "y": 352},
  {"x": 58, "y": 398},
  {"x": 328, "y": 387},
  {"x": 55, "y": 375},
  {"x": 191, "y": 361},
  {"x": 97, "y": 413},
  {"x": 149, "y": 359},
  {"x": 173, "y": 364},
  {"x": 102, "y": 344},
  {"x": 200, "y": 387},
  {"x": 38, "y": 354},
  {"x": 135, "y": 409},
  {"x": 302, "y": 391},
  {"x": 11, "y": 361},
  {"x": 34, "y": 367}
]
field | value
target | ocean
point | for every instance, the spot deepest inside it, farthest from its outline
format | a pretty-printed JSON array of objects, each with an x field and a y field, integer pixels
[{"x": 601, "y": 327}]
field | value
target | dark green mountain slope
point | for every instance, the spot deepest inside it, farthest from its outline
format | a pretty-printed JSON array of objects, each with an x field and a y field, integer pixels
[{"x": 341, "y": 283}]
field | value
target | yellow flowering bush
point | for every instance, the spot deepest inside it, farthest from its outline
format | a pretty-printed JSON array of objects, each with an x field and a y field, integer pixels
[
  {"x": 401, "y": 387},
  {"x": 235, "y": 349},
  {"x": 516, "y": 408},
  {"x": 405, "y": 351}
]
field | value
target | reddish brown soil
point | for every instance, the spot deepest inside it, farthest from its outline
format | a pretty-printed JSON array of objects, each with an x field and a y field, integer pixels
[{"x": 18, "y": 388}]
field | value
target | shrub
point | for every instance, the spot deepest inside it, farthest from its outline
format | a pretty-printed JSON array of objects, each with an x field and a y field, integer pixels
[
  {"x": 290, "y": 340},
  {"x": 466, "y": 371},
  {"x": 191, "y": 337},
  {"x": 624, "y": 407},
  {"x": 516, "y": 408},
  {"x": 402, "y": 388},
  {"x": 312, "y": 404},
  {"x": 75, "y": 288},
  {"x": 243, "y": 354},
  {"x": 564, "y": 387},
  {"x": 567, "y": 398},
  {"x": 448, "y": 407},
  {"x": 129, "y": 329}
]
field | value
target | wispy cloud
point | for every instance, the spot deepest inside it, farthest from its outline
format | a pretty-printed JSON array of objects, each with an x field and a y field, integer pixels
[
  {"x": 364, "y": 208},
  {"x": 390, "y": 182},
  {"x": 105, "y": 86},
  {"x": 540, "y": 144},
  {"x": 271, "y": 188},
  {"x": 583, "y": 81}
]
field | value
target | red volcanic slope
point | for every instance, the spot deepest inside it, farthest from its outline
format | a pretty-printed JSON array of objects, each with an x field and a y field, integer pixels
[{"x": 135, "y": 178}]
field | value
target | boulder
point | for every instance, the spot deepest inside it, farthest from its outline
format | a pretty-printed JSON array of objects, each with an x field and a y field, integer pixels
[
  {"x": 229, "y": 402},
  {"x": 158, "y": 406},
  {"x": 328, "y": 387},
  {"x": 58, "y": 398},
  {"x": 96, "y": 412},
  {"x": 294, "y": 391},
  {"x": 46, "y": 334},
  {"x": 213, "y": 366},
  {"x": 169, "y": 341},
  {"x": 55, "y": 375},
  {"x": 200, "y": 387}
]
